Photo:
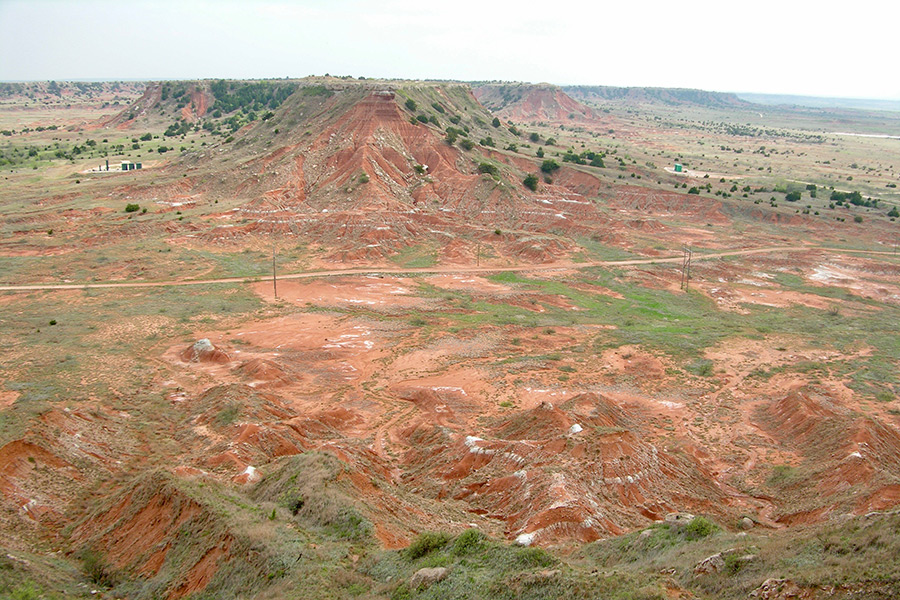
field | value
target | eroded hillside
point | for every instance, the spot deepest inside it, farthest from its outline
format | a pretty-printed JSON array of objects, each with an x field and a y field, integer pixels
[{"x": 477, "y": 320}]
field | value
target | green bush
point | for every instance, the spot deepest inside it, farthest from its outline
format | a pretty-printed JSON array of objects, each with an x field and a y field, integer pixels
[
  {"x": 411, "y": 104},
  {"x": 487, "y": 168},
  {"x": 533, "y": 558},
  {"x": 549, "y": 165},
  {"x": 26, "y": 591},
  {"x": 425, "y": 544},
  {"x": 699, "y": 528},
  {"x": 531, "y": 182},
  {"x": 130, "y": 208},
  {"x": 469, "y": 541},
  {"x": 96, "y": 569}
]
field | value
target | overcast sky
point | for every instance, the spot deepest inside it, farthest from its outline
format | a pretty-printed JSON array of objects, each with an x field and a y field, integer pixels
[{"x": 846, "y": 49}]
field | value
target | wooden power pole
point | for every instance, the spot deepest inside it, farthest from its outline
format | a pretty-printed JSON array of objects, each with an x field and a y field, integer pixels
[{"x": 686, "y": 267}]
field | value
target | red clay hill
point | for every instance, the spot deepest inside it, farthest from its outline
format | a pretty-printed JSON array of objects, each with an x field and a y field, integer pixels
[{"x": 523, "y": 102}]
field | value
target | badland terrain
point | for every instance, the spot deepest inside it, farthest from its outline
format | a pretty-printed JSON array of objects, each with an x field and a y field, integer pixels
[{"x": 352, "y": 338}]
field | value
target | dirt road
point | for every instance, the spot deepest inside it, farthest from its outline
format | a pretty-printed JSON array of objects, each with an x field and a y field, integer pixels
[{"x": 426, "y": 270}]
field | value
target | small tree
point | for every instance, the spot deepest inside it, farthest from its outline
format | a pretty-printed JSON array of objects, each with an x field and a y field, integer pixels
[
  {"x": 487, "y": 168},
  {"x": 411, "y": 104},
  {"x": 549, "y": 165},
  {"x": 793, "y": 196},
  {"x": 495, "y": 122},
  {"x": 540, "y": 153},
  {"x": 531, "y": 182}
]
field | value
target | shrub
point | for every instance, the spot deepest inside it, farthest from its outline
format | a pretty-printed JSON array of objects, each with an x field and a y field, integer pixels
[
  {"x": 534, "y": 558},
  {"x": 437, "y": 107},
  {"x": 469, "y": 541},
  {"x": 534, "y": 137},
  {"x": 420, "y": 169},
  {"x": 495, "y": 122},
  {"x": 411, "y": 104},
  {"x": 421, "y": 118},
  {"x": 96, "y": 569},
  {"x": 487, "y": 168},
  {"x": 146, "y": 137},
  {"x": 425, "y": 544},
  {"x": 467, "y": 144},
  {"x": 857, "y": 219},
  {"x": 130, "y": 208},
  {"x": 549, "y": 165},
  {"x": 693, "y": 190},
  {"x": 540, "y": 153},
  {"x": 792, "y": 196},
  {"x": 699, "y": 528},
  {"x": 531, "y": 182},
  {"x": 894, "y": 213}
]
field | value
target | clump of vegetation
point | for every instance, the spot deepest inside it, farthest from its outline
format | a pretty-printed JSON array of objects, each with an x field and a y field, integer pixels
[
  {"x": 699, "y": 528},
  {"x": 96, "y": 569},
  {"x": 549, "y": 166},
  {"x": 130, "y": 208},
  {"x": 468, "y": 542},
  {"x": 531, "y": 182},
  {"x": 488, "y": 168},
  {"x": 426, "y": 543}
]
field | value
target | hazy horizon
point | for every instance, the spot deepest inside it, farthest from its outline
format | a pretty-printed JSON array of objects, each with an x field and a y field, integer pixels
[{"x": 767, "y": 48}]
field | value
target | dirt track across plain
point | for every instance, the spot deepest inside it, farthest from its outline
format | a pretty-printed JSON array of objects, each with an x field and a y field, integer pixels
[{"x": 427, "y": 270}]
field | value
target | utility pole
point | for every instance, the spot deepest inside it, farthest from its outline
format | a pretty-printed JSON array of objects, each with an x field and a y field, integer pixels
[
  {"x": 686, "y": 267},
  {"x": 274, "y": 278}
]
